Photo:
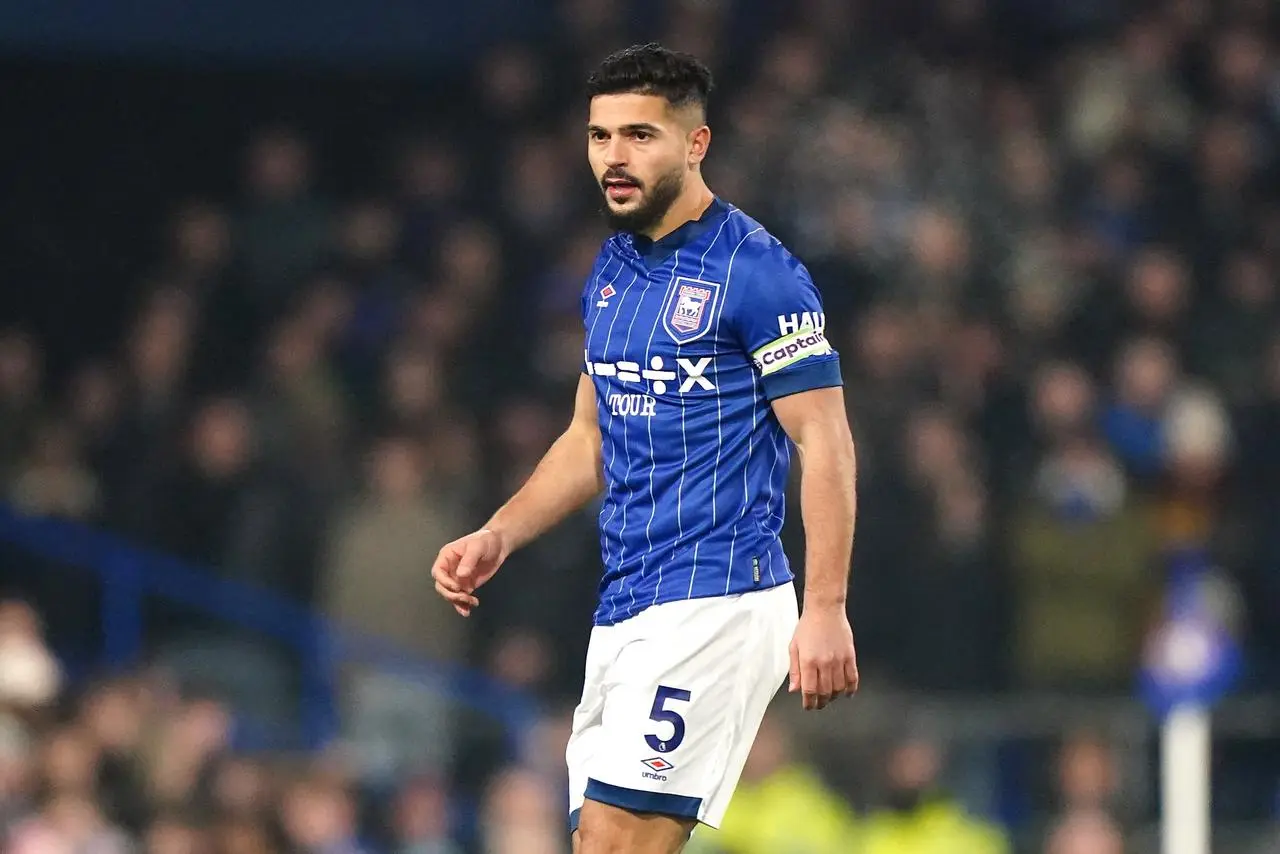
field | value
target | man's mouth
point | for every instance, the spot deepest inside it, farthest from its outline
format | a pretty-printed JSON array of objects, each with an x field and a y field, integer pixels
[{"x": 620, "y": 189}]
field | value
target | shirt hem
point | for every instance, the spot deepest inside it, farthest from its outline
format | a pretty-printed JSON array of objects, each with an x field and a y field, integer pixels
[{"x": 602, "y": 622}]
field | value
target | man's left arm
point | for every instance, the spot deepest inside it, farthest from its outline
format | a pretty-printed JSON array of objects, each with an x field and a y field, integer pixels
[
  {"x": 780, "y": 324},
  {"x": 823, "y": 662}
]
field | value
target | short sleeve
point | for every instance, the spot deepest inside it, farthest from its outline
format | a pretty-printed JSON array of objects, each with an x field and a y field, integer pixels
[{"x": 777, "y": 315}]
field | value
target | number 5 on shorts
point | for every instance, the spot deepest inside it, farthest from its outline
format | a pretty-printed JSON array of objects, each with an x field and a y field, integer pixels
[{"x": 662, "y": 714}]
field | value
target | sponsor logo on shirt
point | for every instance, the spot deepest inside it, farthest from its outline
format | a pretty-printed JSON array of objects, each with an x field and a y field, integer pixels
[
  {"x": 788, "y": 323},
  {"x": 657, "y": 376},
  {"x": 641, "y": 405}
]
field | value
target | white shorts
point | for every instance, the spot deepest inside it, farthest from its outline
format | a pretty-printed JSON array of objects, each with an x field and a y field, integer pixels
[{"x": 672, "y": 702}]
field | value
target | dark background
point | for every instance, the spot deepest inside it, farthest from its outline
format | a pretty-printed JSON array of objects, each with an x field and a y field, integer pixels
[{"x": 1047, "y": 237}]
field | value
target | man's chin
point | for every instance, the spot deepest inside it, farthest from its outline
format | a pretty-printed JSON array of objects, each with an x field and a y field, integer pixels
[
  {"x": 626, "y": 219},
  {"x": 630, "y": 215},
  {"x": 632, "y": 203}
]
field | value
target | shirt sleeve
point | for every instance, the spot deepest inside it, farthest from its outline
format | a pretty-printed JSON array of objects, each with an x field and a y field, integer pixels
[{"x": 778, "y": 318}]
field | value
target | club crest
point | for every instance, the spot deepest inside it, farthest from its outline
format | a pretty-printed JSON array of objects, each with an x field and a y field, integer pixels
[{"x": 687, "y": 314}]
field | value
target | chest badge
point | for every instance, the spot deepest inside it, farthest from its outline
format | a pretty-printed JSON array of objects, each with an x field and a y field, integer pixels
[{"x": 689, "y": 309}]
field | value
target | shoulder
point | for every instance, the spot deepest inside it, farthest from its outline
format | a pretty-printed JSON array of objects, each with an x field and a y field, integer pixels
[
  {"x": 756, "y": 253},
  {"x": 607, "y": 255}
]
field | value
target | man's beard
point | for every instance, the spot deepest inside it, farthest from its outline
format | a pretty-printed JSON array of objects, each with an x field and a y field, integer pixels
[{"x": 656, "y": 200}]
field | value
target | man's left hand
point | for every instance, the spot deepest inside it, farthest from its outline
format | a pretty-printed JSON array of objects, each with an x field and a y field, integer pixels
[{"x": 823, "y": 663}]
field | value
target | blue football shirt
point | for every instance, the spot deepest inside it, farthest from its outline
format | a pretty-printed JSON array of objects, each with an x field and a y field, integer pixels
[{"x": 688, "y": 339}]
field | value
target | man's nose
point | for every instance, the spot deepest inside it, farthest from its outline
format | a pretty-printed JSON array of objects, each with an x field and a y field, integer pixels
[{"x": 615, "y": 155}]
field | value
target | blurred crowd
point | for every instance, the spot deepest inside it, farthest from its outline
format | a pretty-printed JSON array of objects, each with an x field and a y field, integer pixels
[
  {"x": 1049, "y": 263},
  {"x": 136, "y": 763}
]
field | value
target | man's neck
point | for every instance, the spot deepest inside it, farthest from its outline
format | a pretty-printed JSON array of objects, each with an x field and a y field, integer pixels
[{"x": 691, "y": 205}]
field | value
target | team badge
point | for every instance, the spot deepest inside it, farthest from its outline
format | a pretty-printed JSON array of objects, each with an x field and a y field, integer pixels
[
  {"x": 690, "y": 302},
  {"x": 687, "y": 314}
]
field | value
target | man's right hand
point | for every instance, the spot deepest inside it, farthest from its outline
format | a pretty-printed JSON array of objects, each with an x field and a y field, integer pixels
[{"x": 464, "y": 565}]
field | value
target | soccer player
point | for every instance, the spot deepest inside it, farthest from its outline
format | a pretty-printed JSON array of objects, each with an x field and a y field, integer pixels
[{"x": 704, "y": 359}]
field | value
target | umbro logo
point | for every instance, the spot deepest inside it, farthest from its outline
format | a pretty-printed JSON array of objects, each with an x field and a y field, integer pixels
[
  {"x": 656, "y": 766},
  {"x": 605, "y": 293}
]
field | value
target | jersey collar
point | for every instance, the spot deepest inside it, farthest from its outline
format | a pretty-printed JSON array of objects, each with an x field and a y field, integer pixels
[{"x": 653, "y": 252}]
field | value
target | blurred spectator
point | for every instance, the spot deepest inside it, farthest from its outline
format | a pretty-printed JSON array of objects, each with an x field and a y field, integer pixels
[
  {"x": 181, "y": 756},
  {"x": 777, "y": 786},
  {"x": 283, "y": 228},
  {"x": 1127, "y": 90},
  {"x": 1088, "y": 779},
  {"x": 377, "y": 582},
  {"x": 17, "y": 772},
  {"x": 319, "y": 817},
  {"x": 521, "y": 814},
  {"x": 71, "y": 761},
  {"x": 242, "y": 788},
  {"x": 421, "y": 820},
  {"x": 299, "y": 407},
  {"x": 918, "y": 816},
  {"x": 158, "y": 352},
  {"x": 1146, "y": 372},
  {"x": 1083, "y": 549},
  {"x": 1236, "y": 325},
  {"x": 20, "y": 387},
  {"x": 30, "y": 677},
  {"x": 242, "y": 837},
  {"x": 383, "y": 548},
  {"x": 954, "y": 588},
  {"x": 1085, "y": 832},
  {"x": 1260, "y": 479},
  {"x": 1197, "y": 440},
  {"x": 430, "y": 180},
  {"x": 1090, "y": 798},
  {"x": 53, "y": 480},
  {"x": 94, "y": 403},
  {"x": 200, "y": 249},
  {"x": 521, "y": 660},
  {"x": 414, "y": 392},
  {"x": 379, "y": 287},
  {"x": 173, "y": 835},
  {"x": 116, "y": 715},
  {"x": 71, "y": 823}
]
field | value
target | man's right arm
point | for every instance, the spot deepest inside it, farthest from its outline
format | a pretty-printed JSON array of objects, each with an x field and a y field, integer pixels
[{"x": 569, "y": 475}]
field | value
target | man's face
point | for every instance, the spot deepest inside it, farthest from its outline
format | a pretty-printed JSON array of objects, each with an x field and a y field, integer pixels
[{"x": 640, "y": 150}]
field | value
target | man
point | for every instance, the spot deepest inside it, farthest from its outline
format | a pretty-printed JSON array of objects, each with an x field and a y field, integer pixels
[{"x": 704, "y": 355}]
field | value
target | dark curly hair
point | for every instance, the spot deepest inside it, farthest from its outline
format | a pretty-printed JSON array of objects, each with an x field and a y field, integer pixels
[{"x": 651, "y": 69}]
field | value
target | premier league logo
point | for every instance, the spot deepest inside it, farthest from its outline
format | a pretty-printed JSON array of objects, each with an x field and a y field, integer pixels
[{"x": 687, "y": 314}]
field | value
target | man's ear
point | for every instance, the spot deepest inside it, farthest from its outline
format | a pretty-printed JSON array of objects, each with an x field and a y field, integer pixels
[{"x": 699, "y": 142}]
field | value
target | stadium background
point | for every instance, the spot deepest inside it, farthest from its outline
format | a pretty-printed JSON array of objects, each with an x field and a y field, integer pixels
[{"x": 290, "y": 298}]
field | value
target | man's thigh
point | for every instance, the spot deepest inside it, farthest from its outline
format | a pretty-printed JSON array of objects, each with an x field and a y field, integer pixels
[
  {"x": 606, "y": 829},
  {"x": 665, "y": 733}
]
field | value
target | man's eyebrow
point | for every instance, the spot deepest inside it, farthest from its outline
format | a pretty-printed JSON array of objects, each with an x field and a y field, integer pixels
[{"x": 628, "y": 128}]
